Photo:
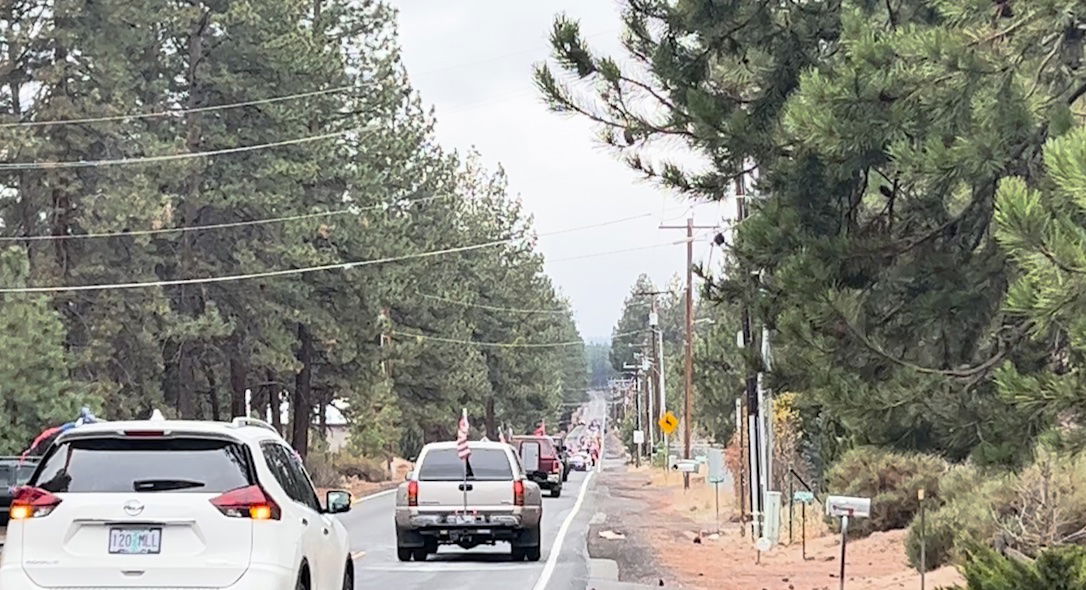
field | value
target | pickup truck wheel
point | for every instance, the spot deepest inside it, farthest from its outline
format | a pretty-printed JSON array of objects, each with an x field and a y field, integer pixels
[
  {"x": 420, "y": 554},
  {"x": 556, "y": 492},
  {"x": 532, "y": 553},
  {"x": 517, "y": 553},
  {"x": 403, "y": 553}
]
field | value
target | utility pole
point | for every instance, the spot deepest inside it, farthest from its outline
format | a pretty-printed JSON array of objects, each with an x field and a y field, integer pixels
[
  {"x": 657, "y": 335},
  {"x": 754, "y": 429},
  {"x": 689, "y": 385}
]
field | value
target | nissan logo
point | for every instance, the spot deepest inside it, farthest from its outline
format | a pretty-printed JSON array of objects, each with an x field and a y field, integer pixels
[{"x": 133, "y": 507}]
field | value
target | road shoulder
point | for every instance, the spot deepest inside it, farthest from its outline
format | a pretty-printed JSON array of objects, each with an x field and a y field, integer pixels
[{"x": 620, "y": 540}]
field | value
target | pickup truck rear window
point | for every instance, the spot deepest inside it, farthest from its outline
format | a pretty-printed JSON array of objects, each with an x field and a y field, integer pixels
[{"x": 484, "y": 465}]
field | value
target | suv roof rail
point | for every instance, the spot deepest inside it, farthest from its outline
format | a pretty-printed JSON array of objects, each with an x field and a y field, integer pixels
[{"x": 243, "y": 421}]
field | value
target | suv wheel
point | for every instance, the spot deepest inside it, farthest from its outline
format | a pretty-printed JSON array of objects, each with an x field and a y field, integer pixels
[
  {"x": 420, "y": 554},
  {"x": 403, "y": 553},
  {"x": 556, "y": 492}
]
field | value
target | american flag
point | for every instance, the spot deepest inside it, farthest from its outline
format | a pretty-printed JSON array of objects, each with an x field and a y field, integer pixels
[{"x": 462, "y": 448}]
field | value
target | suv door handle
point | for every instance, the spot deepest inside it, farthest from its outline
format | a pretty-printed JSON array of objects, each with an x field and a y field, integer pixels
[{"x": 466, "y": 487}]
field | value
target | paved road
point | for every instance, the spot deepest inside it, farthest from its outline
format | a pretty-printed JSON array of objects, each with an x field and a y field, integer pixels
[
  {"x": 485, "y": 567},
  {"x": 563, "y": 566}
]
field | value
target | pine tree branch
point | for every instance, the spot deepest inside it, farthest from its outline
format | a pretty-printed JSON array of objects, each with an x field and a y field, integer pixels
[{"x": 980, "y": 369}]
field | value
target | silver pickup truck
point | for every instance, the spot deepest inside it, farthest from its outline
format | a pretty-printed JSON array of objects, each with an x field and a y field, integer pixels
[{"x": 486, "y": 499}]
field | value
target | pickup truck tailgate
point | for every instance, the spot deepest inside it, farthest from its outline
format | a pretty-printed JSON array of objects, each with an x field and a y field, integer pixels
[{"x": 487, "y": 487}]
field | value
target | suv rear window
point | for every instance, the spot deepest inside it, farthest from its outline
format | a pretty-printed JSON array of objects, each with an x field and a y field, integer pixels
[
  {"x": 483, "y": 465},
  {"x": 116, "y": 465}
]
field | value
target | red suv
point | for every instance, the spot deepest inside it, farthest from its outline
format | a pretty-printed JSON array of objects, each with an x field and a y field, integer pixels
[{"x": 548, "y": 473}]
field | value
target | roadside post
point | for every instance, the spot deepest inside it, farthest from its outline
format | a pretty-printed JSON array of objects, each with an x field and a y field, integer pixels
[
  {"x": 771, "y": 524},
  {"x": 668, "y": 423},
  {"x": 923, "y": 539},
  {"x": 716, "y": 477},
  {"x": 639, "y": 440},
  {"x": 804, "y": 498},
  {"x": 845, "y": 507}
]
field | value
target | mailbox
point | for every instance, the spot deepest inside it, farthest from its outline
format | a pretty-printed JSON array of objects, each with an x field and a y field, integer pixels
[
  {"x": 686, "y": 466},
  {"x": 839, "y": 506}
]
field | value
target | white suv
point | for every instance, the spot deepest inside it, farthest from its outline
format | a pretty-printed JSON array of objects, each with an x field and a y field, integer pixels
[{"x": 168, "y": 504}]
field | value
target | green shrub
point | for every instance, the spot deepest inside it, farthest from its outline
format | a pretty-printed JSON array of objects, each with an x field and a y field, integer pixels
[
  {"x": 1043, "y": 506},
  {"x": 363, "y": 468},
  {"x": 891, "y": 480},
  {"x": 1060, "y": 568}
]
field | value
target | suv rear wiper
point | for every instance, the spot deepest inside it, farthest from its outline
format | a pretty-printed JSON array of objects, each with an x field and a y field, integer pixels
[{"x": 160, "y": 485}]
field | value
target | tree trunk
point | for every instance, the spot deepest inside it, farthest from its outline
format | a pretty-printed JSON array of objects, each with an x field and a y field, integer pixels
[
  {"x": 301, "y": 406},
  {"x": 274, "y": 404},
  {"x": 491, "y": 420},
  {"x": 213, "y": 392},
  {"x": 322, "y": 412},
  {"x": 190, "y": 299},
  {"x": 239, "y": 373}
]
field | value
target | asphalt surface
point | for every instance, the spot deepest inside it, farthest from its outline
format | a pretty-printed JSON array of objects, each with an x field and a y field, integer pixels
[{"x": 563, "y": 566}]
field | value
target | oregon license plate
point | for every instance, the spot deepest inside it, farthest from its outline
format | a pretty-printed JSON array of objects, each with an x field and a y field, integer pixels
[{"x": 135, "y": 541}]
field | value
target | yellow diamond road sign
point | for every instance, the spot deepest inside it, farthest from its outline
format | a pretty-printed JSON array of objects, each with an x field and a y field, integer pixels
[{"x": 668, "y": 423}]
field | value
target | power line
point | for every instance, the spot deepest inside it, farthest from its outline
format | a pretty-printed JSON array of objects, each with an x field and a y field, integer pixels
[
  {"x": 620, "y": 251},
  {"x": 214, "y": 226},
  {"x": 257, "y": 275},
  {"x": 176, "y": 112},
  {"x": 493, "y": 307},
  {"x": 246, "y": 103},
  {"x": 177, "y": 156},
  {"x": 492, "y": 344},
  {"x": 293, "y": 271}
]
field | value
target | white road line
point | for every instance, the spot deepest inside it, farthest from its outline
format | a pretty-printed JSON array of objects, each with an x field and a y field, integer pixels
[
  {"x": 372, "y": 496},
  {"x": 556, "y": 547}
]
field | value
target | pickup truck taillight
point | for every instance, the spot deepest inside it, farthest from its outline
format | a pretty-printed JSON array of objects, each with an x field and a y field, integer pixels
[
  {"x": 32, "y": 503},
  {"x": 412, "y": 493},
  {"x": 518, "y": 493}
]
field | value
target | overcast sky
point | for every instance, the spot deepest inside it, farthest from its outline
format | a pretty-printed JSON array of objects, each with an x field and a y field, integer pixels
[{"x": 472, "y": 60}]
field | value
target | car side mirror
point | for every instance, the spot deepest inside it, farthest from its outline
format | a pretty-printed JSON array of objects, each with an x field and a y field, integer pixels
[{"x": 337, "y": 502}]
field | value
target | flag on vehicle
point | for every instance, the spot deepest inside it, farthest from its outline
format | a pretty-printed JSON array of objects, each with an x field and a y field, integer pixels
[
  {"x": 501, "y": 436},
  {"x": 542, "y": 430},
  {"x": 462, "y": 448}
]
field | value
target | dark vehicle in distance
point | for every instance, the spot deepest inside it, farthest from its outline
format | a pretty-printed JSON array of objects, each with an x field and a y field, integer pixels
[
  {"x": 549, "y": 473},
  {"x": 14, "y": 472}
]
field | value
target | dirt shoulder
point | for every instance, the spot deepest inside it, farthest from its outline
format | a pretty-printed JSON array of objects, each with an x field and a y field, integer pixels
[{"x": 672, "y": 535}]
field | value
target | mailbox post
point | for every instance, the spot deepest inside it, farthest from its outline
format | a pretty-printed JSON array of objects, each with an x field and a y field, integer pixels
[
  {"x": 804, "y": 498},
  {"x": 845, "y": 507}
]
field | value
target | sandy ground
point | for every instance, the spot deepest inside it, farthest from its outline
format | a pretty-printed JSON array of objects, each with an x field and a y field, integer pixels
[{"x": 689, "y": 552}]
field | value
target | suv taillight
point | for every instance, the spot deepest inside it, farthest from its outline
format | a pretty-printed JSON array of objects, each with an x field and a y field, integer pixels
[
  {"x": 556, "y": 466},
  {"x": 248, "y": 502},
  {"x": 32, "y": 503},
  {"x": 518, "y": 493},
  {"x": 413, "y": 493}
]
